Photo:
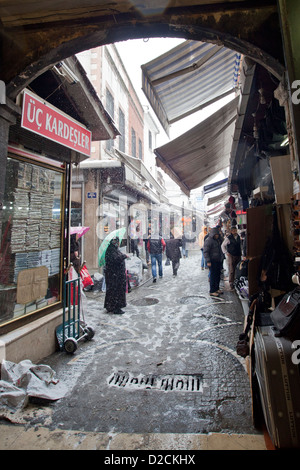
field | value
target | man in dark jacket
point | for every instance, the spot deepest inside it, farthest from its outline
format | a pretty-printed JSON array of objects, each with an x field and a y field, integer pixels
[
  {"x": 231, "y": 246},
  {"x": 156, "y": 246},
  {"x": 173, "y": 252},
  {"x": 214, "y": 257},
  {"x": 115, "y": 278}
]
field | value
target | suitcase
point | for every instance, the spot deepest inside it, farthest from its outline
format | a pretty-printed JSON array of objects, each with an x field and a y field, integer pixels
[
  {"x": 278, "y": 380},
  {"x": 286, "y": 316}
]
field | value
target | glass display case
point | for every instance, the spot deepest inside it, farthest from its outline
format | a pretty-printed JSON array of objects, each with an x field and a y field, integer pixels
[{"x": 31, "y": 244}]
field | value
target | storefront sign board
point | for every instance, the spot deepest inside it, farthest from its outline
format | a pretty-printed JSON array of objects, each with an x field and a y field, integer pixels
[{"x": 43, "y": 119}]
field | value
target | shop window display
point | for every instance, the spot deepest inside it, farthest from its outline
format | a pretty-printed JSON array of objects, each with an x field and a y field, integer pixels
[{"x": 30, "y": 252}]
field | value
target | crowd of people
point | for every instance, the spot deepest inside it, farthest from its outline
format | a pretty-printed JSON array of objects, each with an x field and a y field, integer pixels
[{"x": 218, "y": 243}]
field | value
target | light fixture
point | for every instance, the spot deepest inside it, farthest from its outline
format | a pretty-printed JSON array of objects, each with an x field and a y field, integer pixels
[{"x": 285, "y": 142}]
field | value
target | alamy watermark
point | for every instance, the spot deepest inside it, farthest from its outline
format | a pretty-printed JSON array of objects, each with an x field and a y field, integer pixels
[
  {"x": 296, "y": 353},
  {"x": 296, "y": 93}
]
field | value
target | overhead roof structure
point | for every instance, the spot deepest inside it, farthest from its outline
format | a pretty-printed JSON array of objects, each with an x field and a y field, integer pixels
[
  {"x": 37, "y": 34},
  {"x": 188, "y": 78},
  {"x": 194, "y": 157},
  {"x": 69, "y": 79}
]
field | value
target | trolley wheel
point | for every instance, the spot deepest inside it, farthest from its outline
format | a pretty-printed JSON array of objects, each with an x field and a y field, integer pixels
[
  {"x": 70, "y": 345},
  {"x": 90, "y": 332}
]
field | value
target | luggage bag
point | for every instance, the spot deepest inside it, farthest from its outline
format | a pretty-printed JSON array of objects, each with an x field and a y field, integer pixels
[
  {"x": 286, "y": 316},
  {"x": 279, "y": 387}
]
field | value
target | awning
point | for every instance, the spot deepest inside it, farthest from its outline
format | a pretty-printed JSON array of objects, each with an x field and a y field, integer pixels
[
  {"x": 214, "y": 186},
  {"x": 215, "y": 210},
  {"x": 199, "y": 154},
  {"x": 219, "y": 198},
  {"x": 188, "y": 78}
]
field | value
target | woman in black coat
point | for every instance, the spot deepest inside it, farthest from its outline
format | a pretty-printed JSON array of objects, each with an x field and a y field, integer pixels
[{"x": 115, "y": 278}]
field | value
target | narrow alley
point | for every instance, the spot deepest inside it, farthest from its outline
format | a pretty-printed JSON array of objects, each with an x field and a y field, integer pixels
[{"x": 163, "y": 375}]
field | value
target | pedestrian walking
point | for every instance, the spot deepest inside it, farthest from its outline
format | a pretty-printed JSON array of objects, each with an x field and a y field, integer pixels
[
  {"x": 214, "y": 258},
  {"x": 202, "y": 235},
  {"x": 156, "y": 246},
  {"x": 115, "y": 278},
  {"x": 134, "y": 237},
  {"x": 186, "y": 238},
  {"x": 146, "y": 237},
  {"x": 231, "y": 247},
  {"x": 173, "y": 252}
]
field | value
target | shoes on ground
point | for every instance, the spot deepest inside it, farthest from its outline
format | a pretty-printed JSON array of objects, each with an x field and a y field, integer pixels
[
  {"x": 154, "y": 279},
  {"x": 119, "y": 312},
  {"x": 214, "y": 294}
]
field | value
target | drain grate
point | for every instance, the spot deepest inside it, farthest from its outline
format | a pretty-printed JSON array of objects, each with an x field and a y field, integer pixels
[
  {"x": 144, "y": 302},
  {"x": 166, "y": 383}
]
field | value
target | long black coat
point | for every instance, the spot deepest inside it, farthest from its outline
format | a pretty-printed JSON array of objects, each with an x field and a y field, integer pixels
[
  {"x": 115, "y": 278},
  {"x": 173, "y": 249}
]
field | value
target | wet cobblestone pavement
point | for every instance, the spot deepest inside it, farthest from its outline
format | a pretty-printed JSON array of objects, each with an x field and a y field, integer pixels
[
  {"x": 172, "y": 333},
  {"x": 168, "y": 365}
]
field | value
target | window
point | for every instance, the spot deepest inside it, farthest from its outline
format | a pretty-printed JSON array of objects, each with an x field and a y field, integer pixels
[
  {"x": 150, "y": 140},
  {"x": 133, "y": 142},
  {"x": 30, "y": 256},
  {"x": 110, "y": 108},
  {"x": 140, "y": 150},
  {"x": 122, "y": 130}
]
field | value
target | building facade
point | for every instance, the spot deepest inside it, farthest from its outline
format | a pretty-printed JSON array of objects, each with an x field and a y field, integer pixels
[{"x": 120, "y": 184}]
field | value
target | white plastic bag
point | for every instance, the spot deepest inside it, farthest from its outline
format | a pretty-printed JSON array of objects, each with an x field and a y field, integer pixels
[{"x": 24, "y": 380}]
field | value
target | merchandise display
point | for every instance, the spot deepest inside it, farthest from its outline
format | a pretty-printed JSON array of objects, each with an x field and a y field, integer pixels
[{"x": 31, "y": 231}]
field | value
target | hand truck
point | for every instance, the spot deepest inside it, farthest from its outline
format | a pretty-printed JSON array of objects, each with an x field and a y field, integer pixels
[{"x": 73, "y": 328}]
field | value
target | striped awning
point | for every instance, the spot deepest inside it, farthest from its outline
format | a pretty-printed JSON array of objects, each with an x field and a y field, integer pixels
[
  {"x": 188, "y": 78},
  {"x": 202, "y": 152},
  {"x": 214, "y": 186}
]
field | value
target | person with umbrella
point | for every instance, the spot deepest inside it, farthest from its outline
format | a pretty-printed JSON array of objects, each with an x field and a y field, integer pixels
[
  {"x": 75, "y": 234},
  {"x": 115, "y": 277},
  {"x": 110, "y": 256}
]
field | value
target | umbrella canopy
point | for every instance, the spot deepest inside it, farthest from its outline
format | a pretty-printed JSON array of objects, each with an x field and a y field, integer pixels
[
  {"x": 79, "y": 231},
  {"x": 120, "y": 232},
  {"x": 177, "y": 232}
]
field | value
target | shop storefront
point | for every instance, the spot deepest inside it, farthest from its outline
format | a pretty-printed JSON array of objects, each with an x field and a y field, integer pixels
[
  {"x": 113, "y": 194},
  {"x": 43, "y": 146},
  {"x": 35, "y": 219},
  {"x": 31, "y": 246}
]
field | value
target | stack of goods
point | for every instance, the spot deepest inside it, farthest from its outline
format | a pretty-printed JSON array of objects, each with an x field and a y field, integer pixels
[
  {"x": 20, "y": 209},
  {"x": 55, "y": 262},
  {"x": 55, "y": 234},
  {"x": 34, "y": 235},
  {"x": 21, "y": 263}
]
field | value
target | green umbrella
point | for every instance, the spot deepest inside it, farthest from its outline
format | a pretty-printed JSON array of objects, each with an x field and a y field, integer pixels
[{"x": 120, "y": 232}]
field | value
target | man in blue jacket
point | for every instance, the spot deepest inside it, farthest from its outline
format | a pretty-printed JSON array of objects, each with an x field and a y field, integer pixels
[{"x": 156, "y": 246}]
